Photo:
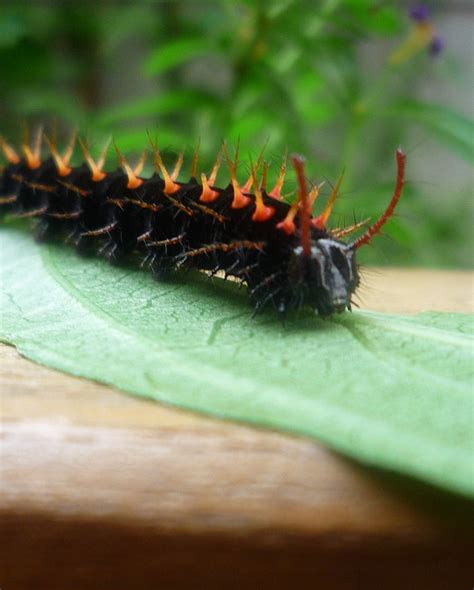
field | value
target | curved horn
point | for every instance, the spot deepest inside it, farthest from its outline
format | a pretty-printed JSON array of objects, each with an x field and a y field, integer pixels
[
  {"x": 304, "y": 212},
  {"x": 376, "y": 227}
]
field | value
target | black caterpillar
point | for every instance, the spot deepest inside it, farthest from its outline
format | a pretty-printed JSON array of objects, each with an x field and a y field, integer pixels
[{"x": 287, "y": 257}]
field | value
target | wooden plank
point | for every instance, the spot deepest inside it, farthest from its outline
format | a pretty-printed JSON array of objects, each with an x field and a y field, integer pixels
[
  {"x": 416, "y": 290},
  {"x": 125, "y": 493}
]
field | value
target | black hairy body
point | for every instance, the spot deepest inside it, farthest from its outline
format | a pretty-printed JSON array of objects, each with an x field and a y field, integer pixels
[{"x": 172, "y": 230}]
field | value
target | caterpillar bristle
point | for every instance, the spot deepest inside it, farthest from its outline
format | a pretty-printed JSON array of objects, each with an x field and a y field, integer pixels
[
  {"x": 8, "y": 200},
  {"x": 342, "y": 232},
  {"x": 132, "y": 173},
  {"x": 239, "y": 199},
  {"x": 62, "y": 162},
  {"x": 263, "y": 181},
  {"x": 262, "y": 212},
  {"x": 215, "y": 168},
  {"x": 208, "y": 194},
  {"x": 177, "y": 166},
  {"x": 170, "y": 185},
  {"x": 275, "y": 193},
  {"x": 96, "y": 167},
  {"x": 250, "y": 181},
  {"x": 314, "y": 194},
  {"x": 9, "y": 152},
  {"x": 194, "y": 163},
  {"x": 288, "y": 224},
  {"x": 321, "y": 220},
  {"x": 33, "y": 152}
]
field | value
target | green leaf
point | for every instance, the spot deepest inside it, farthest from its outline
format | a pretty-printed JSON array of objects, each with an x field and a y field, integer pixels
[
  {"x": 380, "y": 19},
  {"x": 451, "y": 127},
  {"x": 386, "y": 20},
  {"x": 164, "y": 104},
  {"x": 62, "y": 104},
  {"x": 175, "y": 53},
  {"x": 393, "y": 392},
  {"x": 12, "y": 28}
]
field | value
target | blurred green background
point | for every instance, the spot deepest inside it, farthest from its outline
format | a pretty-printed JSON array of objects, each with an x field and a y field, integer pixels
[{"x": 344, "y": 82}]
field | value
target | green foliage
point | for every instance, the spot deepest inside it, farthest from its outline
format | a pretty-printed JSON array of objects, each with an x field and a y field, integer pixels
[
  {"x": 456, "y": 130},
  {"x": 176, "y": 53},
  {"x": 308, "y": 76},
  {"x": 391, "y": 391}
]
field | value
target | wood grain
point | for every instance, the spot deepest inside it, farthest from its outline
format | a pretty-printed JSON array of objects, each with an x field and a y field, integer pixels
[{"x": 99, "y": 490}]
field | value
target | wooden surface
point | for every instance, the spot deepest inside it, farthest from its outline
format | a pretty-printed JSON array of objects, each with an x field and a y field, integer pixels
[{"x": 101, "y": 490}]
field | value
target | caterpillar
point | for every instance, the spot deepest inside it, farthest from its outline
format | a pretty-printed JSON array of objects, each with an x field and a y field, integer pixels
[{"x": 287, "y": 257}]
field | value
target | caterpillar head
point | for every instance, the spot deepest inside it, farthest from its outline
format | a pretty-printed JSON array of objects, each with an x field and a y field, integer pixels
[
  {"x": 323, "y": 267},
  {"x": 327, "y": 277}
]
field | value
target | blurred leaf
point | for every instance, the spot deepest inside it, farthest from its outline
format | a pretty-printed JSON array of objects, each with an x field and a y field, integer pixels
[
  {"x": 277, "y": 8},
  {"x": 128, "y": 21},
  {"x": 307, "y": 101},
  {"x": 64, "y": 105},
  {"x": 284, "y": 59},
  {"x": 163, "y": 104},
  {"x": 385, "y": 20},
  {"x": 12, "y": 29},
  {"x": 451, "y": 127},
  {"x": 175, "y": 53},
  {"x": 24, "y": 64},
  {"x": 253, "y": 123},
  {"x": 371, "y": 16}
]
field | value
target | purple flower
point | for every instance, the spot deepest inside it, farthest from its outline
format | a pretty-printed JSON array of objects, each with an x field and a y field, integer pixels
[
  {"x": 421, "y": 17},
  {"x": 436, "y": 46},
  {"x": 422, "y": 36},
  {"x": 419, "y": 13}
]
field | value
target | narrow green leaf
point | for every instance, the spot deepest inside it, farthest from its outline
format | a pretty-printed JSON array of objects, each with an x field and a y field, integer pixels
[
  {"x": 175, "y": 53},
  {"x": 394, "y": 392},
  {"x": 12, "y": 28},
  {"x": 451, "y": 127},
  {"x": 153, "y": 106}
]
